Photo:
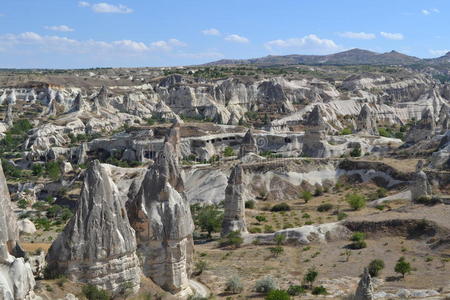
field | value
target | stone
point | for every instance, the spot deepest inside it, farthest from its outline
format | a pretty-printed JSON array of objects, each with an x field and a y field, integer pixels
[
  {"x": 234, "y": 212},
  {"x": 16, "y": 277},
  {"x": 364, "y": 290},
  {"x": 26, "y": 226},
  {"x": 419, "y": 186},
  {"x": 52, "y": 108},
  {"x": 79, "y": 104},
  {"x": 38, "y": 264},
  {"x": 9, "y": 116},
  {"x": 161, "y": 216},
  {"x": 102, "y": 97},
  {"x": 248, "y": 144},
  {"x": 423, "y": 129},
  {"x": 98, "y": 245},
  {"x": 314, "y": 141},
  {"x": 366, "y": 121}
]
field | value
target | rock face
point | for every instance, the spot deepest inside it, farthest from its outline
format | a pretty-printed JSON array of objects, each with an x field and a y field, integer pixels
[
  {"x": 419, "y": 186},
  {"x": 9, "y": 117},
  {"x": 314, "y": 141},
  {"x": 234, "y": 216},
  {"x": 16, "y": 278},
  {"x": 424, "y": 129},
  {"x": 366, "y": 122},
  {"x": 248, "y": 144},
  {"x": 365, "y": 287},
  {"x": 161, "y": 216},
  {"x": 98, "y": 245}
]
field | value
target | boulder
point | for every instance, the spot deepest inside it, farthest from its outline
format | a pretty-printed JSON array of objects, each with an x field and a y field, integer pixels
[
  {"x": 423, "y": 129},
  {"x": 419, "y": 186},
  {"x": 366, "y": 121},
  {"x": 26, "y": 226},
  {"x": 98, "y": 245},
  {"x": 234, "y": 215}
]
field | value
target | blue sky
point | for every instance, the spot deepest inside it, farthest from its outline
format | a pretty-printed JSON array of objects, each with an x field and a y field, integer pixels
[{"x": 133, "y": 33}]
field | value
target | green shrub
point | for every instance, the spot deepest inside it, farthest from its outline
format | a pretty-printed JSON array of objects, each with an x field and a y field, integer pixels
[
  {"x": 208, "y": 218},
  {"x": 276, "y": 251},
  {"x": 37, "y": 169},
  {"x": 278, "y": 295},
  {"x": 358, "y": 236},
  {"x": 281, "y": 207},
  {"x": 356, "y": 201},
  {"x": 53, "y": 170},
  {"x": 228, "y": 151},
  {"x": 318, "y": 191},
  {"x": 311, "y": 276},
  {"x": 265, "y": 285},
  {"x": 296, "y": 290},
  {"x": 358, "y": 241},
  {"x": 91, "y": 292},
  {"x": 200, "y": 266},
  {"x": 22, "y": 203},
  {"x": 375, "y": 267},
  {"x": 319, "y": 290},
  {"x": 324, "y": 207},
  {"x": 234, "y": 285},
  {"x": 306, "y": 196},
  {"x": 250, "y": 204},
  {"x": 403, "y": 267},
  {"x": 255, "y": 230},
  {"x": 233, "y": 239},
  {"x": 268, "y": 229},
  {"x": 356, "y": 152},
  {"x": 341, "y": 216},
  {"x": 261, "y": 218},
  {"x": 346, "y": 131}
]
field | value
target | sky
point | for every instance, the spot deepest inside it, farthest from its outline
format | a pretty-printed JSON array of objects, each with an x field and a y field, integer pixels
[{"x": 148, "y": 33}]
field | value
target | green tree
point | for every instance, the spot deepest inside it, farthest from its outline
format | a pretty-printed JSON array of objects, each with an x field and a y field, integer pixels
[
  {"x": 278, "y": 295},
  {"x": 311, "y": 276},
  {"x": 306, "y": 196},
  {"x": 356, "y": 201},
  {"x": 403, "y": 267},
  {"x": 233, "y": 239},
  {"x": 375, "y": 267},
  {"x": 209, "y": 219},
  {"x": 228, "y": 151},
  {"x": 53, "y": 170},
  {"x": 91, "y": 292}
]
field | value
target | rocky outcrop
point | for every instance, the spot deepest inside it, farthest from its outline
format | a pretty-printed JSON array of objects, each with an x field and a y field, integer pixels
[
  {"x": 419, "y": 186},
  {"x": 248, "y": 144},
  {"x": 9, "y": 116},
  {"x": 234, "y": 215},
  {"x": 16, "y": 277},
  {"x": 366, "y": 122},
  {"x": 365, "y": 287},
  {"x": 423, "y": 129},
  {"x": 162, "y": 219},
  {"x": 314, "y": 141},
  {"x": 98, "y": 245}
]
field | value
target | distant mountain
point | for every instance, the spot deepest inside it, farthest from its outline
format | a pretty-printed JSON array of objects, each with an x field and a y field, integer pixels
[{"x": 350, "y": 57}]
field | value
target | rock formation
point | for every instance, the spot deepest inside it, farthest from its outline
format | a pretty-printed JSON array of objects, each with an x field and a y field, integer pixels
[
  {"x": 234, "y": 215},
  {"x": 423, "y": 129},
  {"x": 98, "y": 245},
  {"x": 162, "y": 219},
  {"x": 419, "y": 186},
  {"x": 314, "y": 141},
  {"x": 79, "y": 104},
  {"x": 9, "y": 117},
  {"x": 102, "y": 97},
  {"x": 16, "y": 277},
  {"x": 365, "y": 287},
  {"x": 248, "y": 144},
  {"x": 52, "y": 108},
  {"x": 366, "y": 121}
]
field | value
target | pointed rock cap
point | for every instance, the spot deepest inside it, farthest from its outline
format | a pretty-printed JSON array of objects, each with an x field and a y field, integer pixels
[
  {"x": 315, "y": 118},
  {"x": 102, "y": 96},
  {"x": 365, "y": 287},
  {"x": 249, "y": 138},
  {"x": 236, "y": 175}
]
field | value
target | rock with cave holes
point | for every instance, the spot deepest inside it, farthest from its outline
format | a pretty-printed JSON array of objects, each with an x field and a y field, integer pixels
[{"x": 248, "y": 144}]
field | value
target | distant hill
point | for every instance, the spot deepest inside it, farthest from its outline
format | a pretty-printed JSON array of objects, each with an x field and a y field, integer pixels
[{"x": 350, "y": 57}]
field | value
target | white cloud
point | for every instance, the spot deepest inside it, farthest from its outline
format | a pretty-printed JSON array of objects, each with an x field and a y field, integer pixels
[
  {"x": 235, "y": 38},
  {"x": 392, "y": 36},
  {"x": 57, "y": 44},
  {"x": 357, "y": 35},
  {"x": 106, "y": 8},
  {"x": 310, "y": 43},
  {"x": 61, "y": 28},
  {"x": 439, "y": 52},
  {"x": 211, "y": 31},
  {"x": 83, "y": 4},
  {"x": 428, "y": 12}
]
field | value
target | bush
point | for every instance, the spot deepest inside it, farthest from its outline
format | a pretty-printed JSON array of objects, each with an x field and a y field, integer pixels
[
  {"x": 38, "y": 169},
  {"x": 318, "y": 192},
  {"x": 341, "y": 216},
  {"x": 53, "y": 170},
  {"x": 358, "y": 236},
  {"x": 22, "y": 203},
  {"x": 296, "y": 290},
  {"x": 268, "y": 229},
  {"x": 281, "y": 207},
  {"x": 261, "y": 218},
  {"x": 276, "y": 251},
  {"x": 306, "y": 196},
  {"x": 375, "y": 267},
  {"x": 356, "y": 201},
  {"x": 324, "y": 207},
  {"x": 319, "y": 290},
  {"x": 278, "y": 295},
  {"x": 200, "y": 266},
  {"x": 356, "y": 152},
  {"x": 403, "y": 267},
  {"x": 346, "y": 131},
  {"x": 358, "y": 241},
  {"x": 311, "y": 276},
  {"x": 234, "y": 285},
  {"x": 91, "y": 292},
  {"x": 208, "y": 218},
  {"x": 228, "y": 151},
  {"x": 232, "y": 239},
  {"x": 255, "y": 230},
  {"x": 266, "y": 285},
  {"x": 250, "y": 204}
]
